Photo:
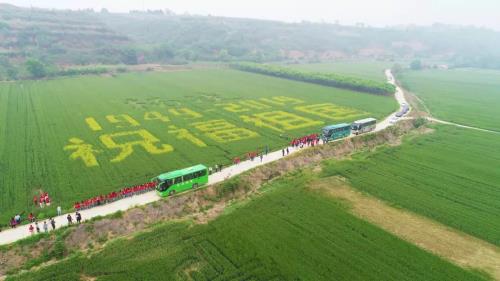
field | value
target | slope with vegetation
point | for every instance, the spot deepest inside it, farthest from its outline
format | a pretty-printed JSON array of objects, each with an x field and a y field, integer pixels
[
  {"x": 58, "y": 38},
  {"x": 51, "y": 36}
]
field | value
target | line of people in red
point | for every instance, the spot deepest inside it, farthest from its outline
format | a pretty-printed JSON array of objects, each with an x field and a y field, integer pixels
[
  {"x": 309, "y": 140},
  {"x": 252, "y": 155},
  {"x": 113, "y": 196}
]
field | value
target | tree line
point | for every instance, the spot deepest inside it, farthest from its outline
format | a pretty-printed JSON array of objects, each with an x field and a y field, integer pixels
[{"x": 326, "y": 79}]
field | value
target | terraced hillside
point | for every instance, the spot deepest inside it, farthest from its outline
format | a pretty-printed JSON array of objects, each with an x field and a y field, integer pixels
[{"x": 64, "y": 37}]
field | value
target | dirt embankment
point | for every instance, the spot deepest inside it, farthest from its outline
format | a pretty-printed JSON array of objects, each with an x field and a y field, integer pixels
[{"x": 202, "y": 205}]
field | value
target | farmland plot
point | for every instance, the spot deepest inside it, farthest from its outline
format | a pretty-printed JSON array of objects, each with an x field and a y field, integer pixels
[
  {"x": 289, "y": 233},
  {"x": 80, "y": 137},
  {"x": 465, "y": 96},
  {"x": 450, "y": 176}
]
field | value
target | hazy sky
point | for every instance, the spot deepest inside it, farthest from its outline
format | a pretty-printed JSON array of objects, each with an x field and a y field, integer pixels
[{"x": 372, "y": 12}]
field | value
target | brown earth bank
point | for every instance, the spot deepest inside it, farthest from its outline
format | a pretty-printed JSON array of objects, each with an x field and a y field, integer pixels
[
  {"x": 460, "y": 248},
  {"x": 200, "y": 206}
]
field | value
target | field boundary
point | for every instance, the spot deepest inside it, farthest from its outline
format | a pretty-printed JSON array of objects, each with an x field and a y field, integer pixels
[{"x": 460, "y": 248}]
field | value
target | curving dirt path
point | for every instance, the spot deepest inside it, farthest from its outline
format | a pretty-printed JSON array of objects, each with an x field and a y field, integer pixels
[
  {"x": 451, "y": 244},
  {"x": 432, "y": 119}
]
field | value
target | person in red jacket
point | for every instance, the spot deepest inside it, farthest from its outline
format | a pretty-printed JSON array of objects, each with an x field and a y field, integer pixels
[
  {"x": 31, "y": 229},
  {"x": 41, "y": 201}
]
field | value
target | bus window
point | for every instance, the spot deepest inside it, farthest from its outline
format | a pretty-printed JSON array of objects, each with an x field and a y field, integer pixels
[
  {"x": 200, "y": 174},
  {"x": 163, "y": 186},
  {"x": 188, "y": 177},
  {"x": 177, "y": 180}
]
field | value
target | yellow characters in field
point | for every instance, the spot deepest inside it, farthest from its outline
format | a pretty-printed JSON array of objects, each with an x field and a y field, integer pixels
[
  {"x": 140, "y": 138},
  {"x": 83, "y": 151}
]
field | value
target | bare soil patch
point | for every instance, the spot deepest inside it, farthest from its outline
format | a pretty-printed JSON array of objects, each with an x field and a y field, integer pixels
[{"x": 460, "y": 248}]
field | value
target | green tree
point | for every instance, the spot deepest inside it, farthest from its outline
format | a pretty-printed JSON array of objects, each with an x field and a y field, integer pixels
[
  {"x": 36, "y": 68},
  {"x": 12, "y": 73},
  {"x": 416, "y": 65},
  {"x": 129, "y": 56}
]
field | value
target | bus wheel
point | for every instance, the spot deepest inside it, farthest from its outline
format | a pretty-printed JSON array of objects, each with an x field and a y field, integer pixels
[
  {"x": 195, "y": 186},
  {"x": 171, "y": 193}
]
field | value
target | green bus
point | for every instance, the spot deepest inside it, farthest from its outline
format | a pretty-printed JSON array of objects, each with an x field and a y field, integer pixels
[
  {"x": 180, "y": 180},
  {"x": 334, "y": 132}
]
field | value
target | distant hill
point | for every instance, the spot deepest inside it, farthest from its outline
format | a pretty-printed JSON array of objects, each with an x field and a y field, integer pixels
[
  {"x": 59, "y": 36},
  {"x": 63, "y": 37}
]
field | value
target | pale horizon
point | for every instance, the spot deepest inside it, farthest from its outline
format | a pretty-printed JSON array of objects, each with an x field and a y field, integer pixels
[{"x": 482, "y": 13}]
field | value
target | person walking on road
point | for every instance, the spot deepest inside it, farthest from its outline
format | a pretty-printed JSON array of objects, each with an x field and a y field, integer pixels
[
  {"x": 31, "y": 228},
  {"x": 78, "y": 217},
  {"x": 261, "y": 156},
  {"x": 45, "y": 227},
  {"x": 267, "y": 149},
  {"x": 59, "y": 210},
  {"x": 287, "y": 151},
  {"x": 37, "y": 227},
  {"x": 283, "y": 152},
  {"x": 53, "y": 223},
  {"x": 70, "y": 219}
]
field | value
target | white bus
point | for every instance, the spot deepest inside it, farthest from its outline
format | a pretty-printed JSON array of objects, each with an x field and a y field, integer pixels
[{"x": 363, "y": 126}]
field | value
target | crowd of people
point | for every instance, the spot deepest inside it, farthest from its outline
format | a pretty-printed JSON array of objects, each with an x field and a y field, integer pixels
[
  {"x": 113, "y": 196},
  {"x": 215, "y": 169},
  {"x": 309, "y": 140},
  {"x": 45, "y": 226},
  {"x": 42, "y": 200}
]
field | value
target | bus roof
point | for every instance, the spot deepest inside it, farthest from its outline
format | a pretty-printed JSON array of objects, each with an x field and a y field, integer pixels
[
  {"x": 178, "y": 173},
  {"x": 342, "y": 125},
  {"x": 366, "y": 120}
]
